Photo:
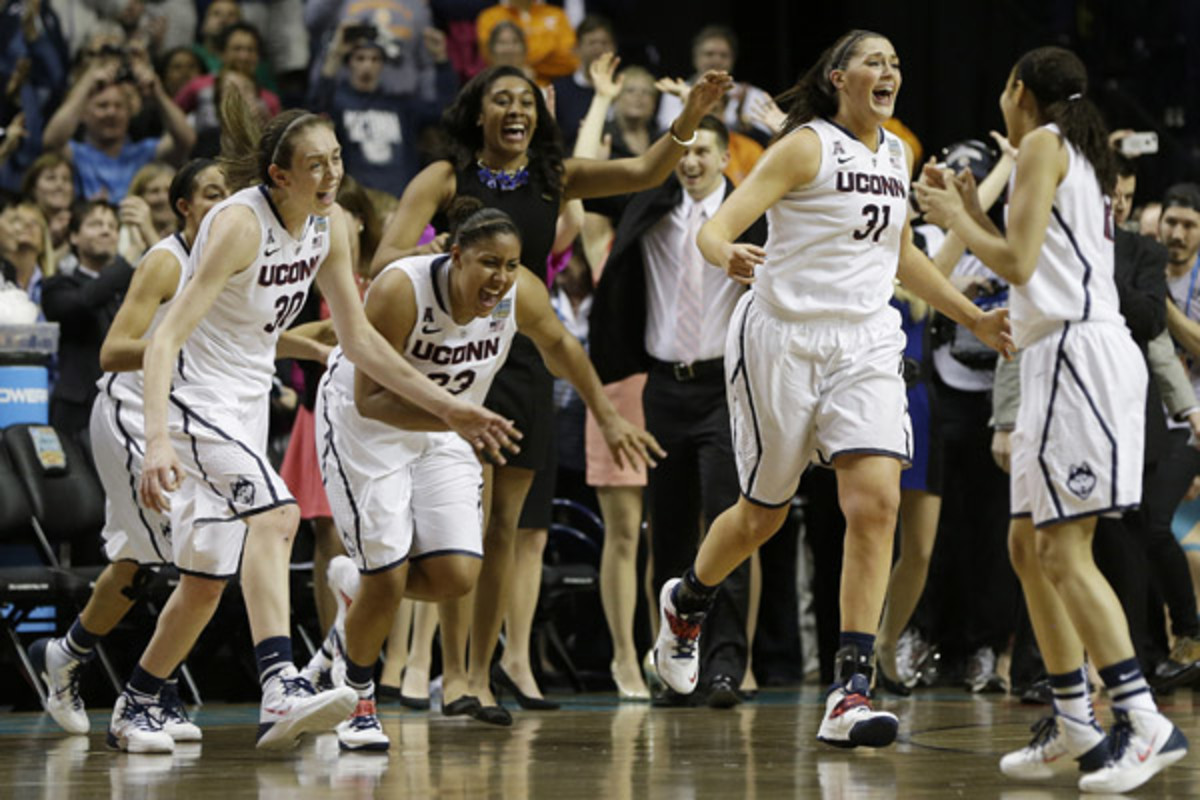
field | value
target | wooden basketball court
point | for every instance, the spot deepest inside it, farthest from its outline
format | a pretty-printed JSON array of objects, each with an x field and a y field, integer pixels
[{"x": 593, "y": 748}]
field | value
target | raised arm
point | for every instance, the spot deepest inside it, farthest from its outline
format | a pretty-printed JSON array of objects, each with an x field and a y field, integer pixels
[
  {"x": 374, "y": 355},
  {"x": 154, "y": 283},
  {"x": 565, "y": 358},
  {"x": 179, "y": 137},
  {"x": 586, "y": 178},
  {"x": 433, "y": 188},
  {"x": 61, "y": 127}
]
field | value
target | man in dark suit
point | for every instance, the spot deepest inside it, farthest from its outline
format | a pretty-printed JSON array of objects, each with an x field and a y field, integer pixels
[
  {"x": 661, "y": 309},
  {"x": 84, "y": 303}
]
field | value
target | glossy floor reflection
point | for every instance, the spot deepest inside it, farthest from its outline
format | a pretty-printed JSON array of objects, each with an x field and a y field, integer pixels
[{"x": 593, "y": 748}]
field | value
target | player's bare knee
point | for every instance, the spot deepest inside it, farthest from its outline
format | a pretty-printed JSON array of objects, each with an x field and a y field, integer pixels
[
  {"x": 1054, "y": 559},
  {"x": 871, "y": 510},
  {"x": 1022, "y": 551}
]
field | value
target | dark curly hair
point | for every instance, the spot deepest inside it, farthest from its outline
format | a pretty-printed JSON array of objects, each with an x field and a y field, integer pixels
[{"x": 460, "y": 121}]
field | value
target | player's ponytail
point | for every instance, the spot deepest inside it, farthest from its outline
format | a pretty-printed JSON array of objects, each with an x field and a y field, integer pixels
[
  {"x": 1058, "y": 81},
  {"x": 471, "y": 221},
  {"x": 248, "y": 149},
  {"x": 814, "y": 94}
]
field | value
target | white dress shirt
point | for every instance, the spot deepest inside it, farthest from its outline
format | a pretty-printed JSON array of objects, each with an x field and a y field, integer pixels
[{"x": 662, "y": 247}]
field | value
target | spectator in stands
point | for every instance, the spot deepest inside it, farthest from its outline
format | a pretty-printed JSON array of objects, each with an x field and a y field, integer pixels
[
  {"x": 633, "y": 126},
  {"x": 548, "y": 35},
  {"x": 106, "y": 159},
  {"x": 399, "y": 25},
  {"x": 25, "y": 251},
  {"x": 457, "y": 19},
  {"x": 145, "y": 214},
  {"x": 573, "y": 93},
  {"x": 716, "y": 47},
  {"x": 505, "y": 47},
  {"x": 33, "y": 63},
  {"x": 378, "y": 131},
  {"x": 84, "y": 303},
  {"x": 50, "y": 184},
  {"x": 285, "y": 44},
  {"x": 179, "y": 66},
  {"x": 239, "y": 45},
  {"x": 165, "y": 23},
  {"x": 219, "y": 15}
]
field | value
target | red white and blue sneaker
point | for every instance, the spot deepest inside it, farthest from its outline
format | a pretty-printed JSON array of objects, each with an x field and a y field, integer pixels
[
  {"x": 59, "y": 670},
  {"x": 291, "y": 708},
  {"x": 1048, "y": 755},
  {"x": 362, "y": 729},
  {"x": 677, "y": 651},
  {"x": 851, "y": 722},
  {"x": 1140, "y": 744}
]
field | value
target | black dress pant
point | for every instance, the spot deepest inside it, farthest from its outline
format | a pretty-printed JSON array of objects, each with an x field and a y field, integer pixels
[{"x": 686, "y": 491}]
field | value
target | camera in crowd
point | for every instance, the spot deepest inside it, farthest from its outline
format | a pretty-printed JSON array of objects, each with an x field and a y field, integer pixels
[
  {"x": 125, "y": 70},
  {"x": 365, "y": 34}
]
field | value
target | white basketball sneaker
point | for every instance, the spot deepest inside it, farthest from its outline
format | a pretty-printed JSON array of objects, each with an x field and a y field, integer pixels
[
  {"x": 136, "y": 727},
  {"x": 59, "y": 670},
  {"x": 291, "y": 708},
  {"x": 1141, "y": 744},
  {"x": 362, "y": 730},
  {"x": 174, "y": 716},
  {"x": 677, "y": 651},
  {"x": 851, "y": 722},
  {"x": 1047, "y": 754}
]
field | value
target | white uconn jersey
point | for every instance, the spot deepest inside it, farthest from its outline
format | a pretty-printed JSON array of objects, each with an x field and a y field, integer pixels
[
  {"x": 833, "y": 245},
  {"x": 128, "y": 386},
  {"x": 233, "y": 348},
  {"x": 462, "y": 358},
  {"x": 1073, "y": 279}
]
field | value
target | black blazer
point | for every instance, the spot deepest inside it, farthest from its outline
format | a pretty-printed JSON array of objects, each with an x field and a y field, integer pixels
[
  {"x": 84, "y": 308},
  {"x": 617, "y": 326}
]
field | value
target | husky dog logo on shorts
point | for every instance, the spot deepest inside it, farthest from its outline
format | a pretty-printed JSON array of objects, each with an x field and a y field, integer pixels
[
  {"x": 164, "y": 530},
  {"x": 243, "y": 492},
  {"x": 1081, "y": 480}
]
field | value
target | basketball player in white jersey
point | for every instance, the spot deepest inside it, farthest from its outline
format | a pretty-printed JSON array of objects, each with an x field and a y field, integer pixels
[
  {"x": 813, "y": 357},
  {"x": 210, "y": 363},
  {"x": 405, "y": 492},
  {"x": 136, "y": 537},
  {"x": 1077, "y": 447}
]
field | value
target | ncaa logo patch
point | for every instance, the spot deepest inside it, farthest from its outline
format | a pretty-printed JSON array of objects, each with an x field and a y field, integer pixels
[
  {"x": 1081, "y": 480},
  {"x": 503, "y": 310}
]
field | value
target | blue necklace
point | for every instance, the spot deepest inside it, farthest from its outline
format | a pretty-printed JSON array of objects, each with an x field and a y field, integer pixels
[{"x": 503, "y": 180}]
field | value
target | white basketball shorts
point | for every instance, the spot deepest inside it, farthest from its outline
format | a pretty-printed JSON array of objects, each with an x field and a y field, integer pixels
[
  {"x": 397, "y": 495},
  {"x": 222, "y": 444},
  {"x": 810, "y": 389},
  {"x": 131, "y": 532},
  {"x": 1078, "y": 445}
]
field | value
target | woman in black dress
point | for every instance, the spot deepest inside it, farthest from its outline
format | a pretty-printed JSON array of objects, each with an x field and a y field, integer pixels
[{"x": 505, "y": 149}]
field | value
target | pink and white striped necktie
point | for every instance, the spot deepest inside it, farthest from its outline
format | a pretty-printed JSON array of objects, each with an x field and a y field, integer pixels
[{"x": 689, "y": 305}]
